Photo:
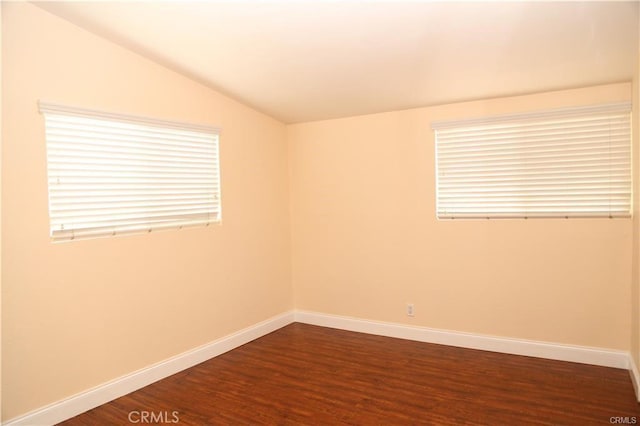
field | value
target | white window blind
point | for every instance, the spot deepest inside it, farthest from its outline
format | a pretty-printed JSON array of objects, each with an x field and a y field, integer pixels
[
  {"x": 561, "y": 163},
  {"x": 111, "y": 174}
]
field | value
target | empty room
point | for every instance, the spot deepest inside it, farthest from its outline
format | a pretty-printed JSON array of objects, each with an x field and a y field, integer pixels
[{"x": 320, "y": 213}]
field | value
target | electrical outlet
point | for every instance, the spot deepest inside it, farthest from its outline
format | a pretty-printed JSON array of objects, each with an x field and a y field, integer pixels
[{"x": 410, "y": 310}]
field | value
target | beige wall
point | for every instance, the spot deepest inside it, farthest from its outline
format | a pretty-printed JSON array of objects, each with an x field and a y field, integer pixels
[
  {"x": 366, "y": 240},
  {"x": 78, "y": 314},
  {"x": 0, "y": 211},
  {"x": 635, "y": 271}
]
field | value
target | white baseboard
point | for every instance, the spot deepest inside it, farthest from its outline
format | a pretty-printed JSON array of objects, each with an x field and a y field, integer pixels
[
  {"x": 635, "y": 376},
  {"x": 84, "y": 401},
  {"x": 581, "y": 354}
]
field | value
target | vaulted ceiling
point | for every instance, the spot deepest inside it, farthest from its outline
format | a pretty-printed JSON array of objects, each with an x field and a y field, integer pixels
[{"x": 313, "y": 60}]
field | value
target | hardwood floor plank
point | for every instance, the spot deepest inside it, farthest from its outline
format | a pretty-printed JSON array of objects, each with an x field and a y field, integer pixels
[{"x": 308, "y": 375}]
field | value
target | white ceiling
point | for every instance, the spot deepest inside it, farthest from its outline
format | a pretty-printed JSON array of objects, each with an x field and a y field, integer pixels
[{"x": 312, "y": 60}]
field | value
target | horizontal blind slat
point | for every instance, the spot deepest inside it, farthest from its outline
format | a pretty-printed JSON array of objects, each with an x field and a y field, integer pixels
[{"x": 517, "y": 156}]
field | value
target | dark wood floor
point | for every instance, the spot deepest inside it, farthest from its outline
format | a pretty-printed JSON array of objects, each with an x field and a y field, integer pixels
[{"x": 307, "y": 375}]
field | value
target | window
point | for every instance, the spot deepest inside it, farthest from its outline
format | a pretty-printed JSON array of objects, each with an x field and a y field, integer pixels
[
  {"x": 560, "y": 163},
  {"x": 112, "y": 174}
]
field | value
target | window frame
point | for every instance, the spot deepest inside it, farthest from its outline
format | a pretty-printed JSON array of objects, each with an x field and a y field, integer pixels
[
  {"x": 460, "y": 132},
  {"x": 125, "y": 174}
]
